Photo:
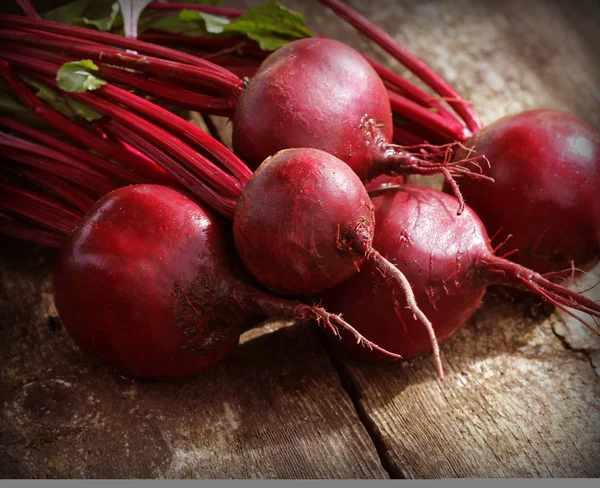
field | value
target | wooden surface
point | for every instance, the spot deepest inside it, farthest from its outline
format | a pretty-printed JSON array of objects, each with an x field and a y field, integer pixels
[{"x": 522, "y": 394}]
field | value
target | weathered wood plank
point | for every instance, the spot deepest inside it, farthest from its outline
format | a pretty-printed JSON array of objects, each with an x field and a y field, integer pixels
[
  {"x": 515, "y": 403},
  {"x": 274, "y": 409}
]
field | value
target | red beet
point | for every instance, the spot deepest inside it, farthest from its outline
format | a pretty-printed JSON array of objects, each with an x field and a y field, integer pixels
[
  {"x": 546, "y": 194},
  {"x": 315, "y": 93},
  {"x": 293, "y": 216},
  {"x": 449, "y": 262},
  {"x": 149, "y": 283},
  {"x": 322, "y": 94}
]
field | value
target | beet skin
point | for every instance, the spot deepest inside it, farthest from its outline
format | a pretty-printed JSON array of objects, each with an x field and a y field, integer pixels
[{"x": 144, "y": 281}]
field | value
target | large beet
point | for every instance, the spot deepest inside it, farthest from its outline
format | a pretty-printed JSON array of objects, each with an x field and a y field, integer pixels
[{"x": 449, "y": 262}]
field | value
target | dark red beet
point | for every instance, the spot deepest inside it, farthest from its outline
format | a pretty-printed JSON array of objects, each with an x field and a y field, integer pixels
[
  {"x": 448, "y": 261},
  {"x": 144, "y": 258},
  {"x": 149, "y": 283},
  {"x": 322, "y": 94},
  {"x": 546, "y": 194},
  {"x": 285, "y": 107},
  {"x": 292, "y": 216}
]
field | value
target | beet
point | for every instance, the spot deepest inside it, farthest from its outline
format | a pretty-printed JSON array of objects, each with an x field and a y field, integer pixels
[
  {"x": 316, "y": 93},
  {"x": 292, "y": 217},
  {"x": 149, "y": 284},
  {"x": 449, "y": 262},
  {"x": 319, "y": 93},
  {"x": 130, "y": 276},
  {"x": 546, "y": 194}
]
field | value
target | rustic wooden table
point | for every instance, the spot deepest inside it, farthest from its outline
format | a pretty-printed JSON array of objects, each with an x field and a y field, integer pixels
[{"x": 522, "y": 394}]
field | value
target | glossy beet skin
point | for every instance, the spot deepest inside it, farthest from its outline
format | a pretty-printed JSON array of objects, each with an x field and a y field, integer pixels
[
  {"x": 419, "y": 232},
  {"x": 144, "y": 284},
  {"x": 315, "y": 93},
  {"x": 293, "y": 216},
  {"x": 449, "y": 261},
  {"x": 546, "y": 194}
]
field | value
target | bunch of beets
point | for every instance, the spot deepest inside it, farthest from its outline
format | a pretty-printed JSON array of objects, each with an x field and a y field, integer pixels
[{"x": 171, "y": 245}]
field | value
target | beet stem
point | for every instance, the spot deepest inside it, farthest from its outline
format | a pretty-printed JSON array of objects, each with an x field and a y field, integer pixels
[
  {"x": 431, "y": 120},
  {"x": 82, "y": 135},
  {"x": 184, "y": 129},
  {"x": 28, "y": 9},
  {"x": 71, "y": 193},
  {"x": 177, "y": 125},
  {"x": 30, "y": 232},
  {"x": 85, "y": 34},
  {"x": 92, "y": 160},
  {"x": 405, "y": 138},
  {"x": 225, "y": 183},
  {"x": 404, "y": 87},
  {"x": 71, "y": 169},
  {"x": 225, "y": 206},
  {"x": 42, "y": 209},
  {"x": 227, "y": 186},
  {"x": 409, "y": 60},
  {"x": 168, "y": 92},
  {"x": 211, "y": 77}
]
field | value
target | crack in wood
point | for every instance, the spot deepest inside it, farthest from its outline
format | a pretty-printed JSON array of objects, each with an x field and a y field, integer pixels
[
  {"x": 586, "y": 352},
  {"x": 353, "y": 394}
]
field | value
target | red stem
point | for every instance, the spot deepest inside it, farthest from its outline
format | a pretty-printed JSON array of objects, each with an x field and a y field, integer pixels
[
  {"x": 180, "y": 97},
  {"x": 73, "y": 175},
  {"x": 182, "y": 128},
  {"x": 42, "y": 209},
  {"x": 431, "y": 120},
  {"x": 223, "y": 81},
  {"x": 237, "y": 45},
  {"x": 28, "y": 9},
  {"x": 406, "y": 138},
  {"x": 106, "y": 147},
  {"x": 71, "y": 169},
  {"x": 99, "y": 164},
  {"x": 406, "y": 88},
  {"x": 17, "y": 21},
  {"x": 225, "y": 206},
  {"x": 223, "y": 182},
  {"x": 68, "y": 192},
  {"x": 29, "y": 232},
  {"x": 196, "y": 137},
  {"x": 168, "y": 92},
  {"x": 409, "y": 60}
]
